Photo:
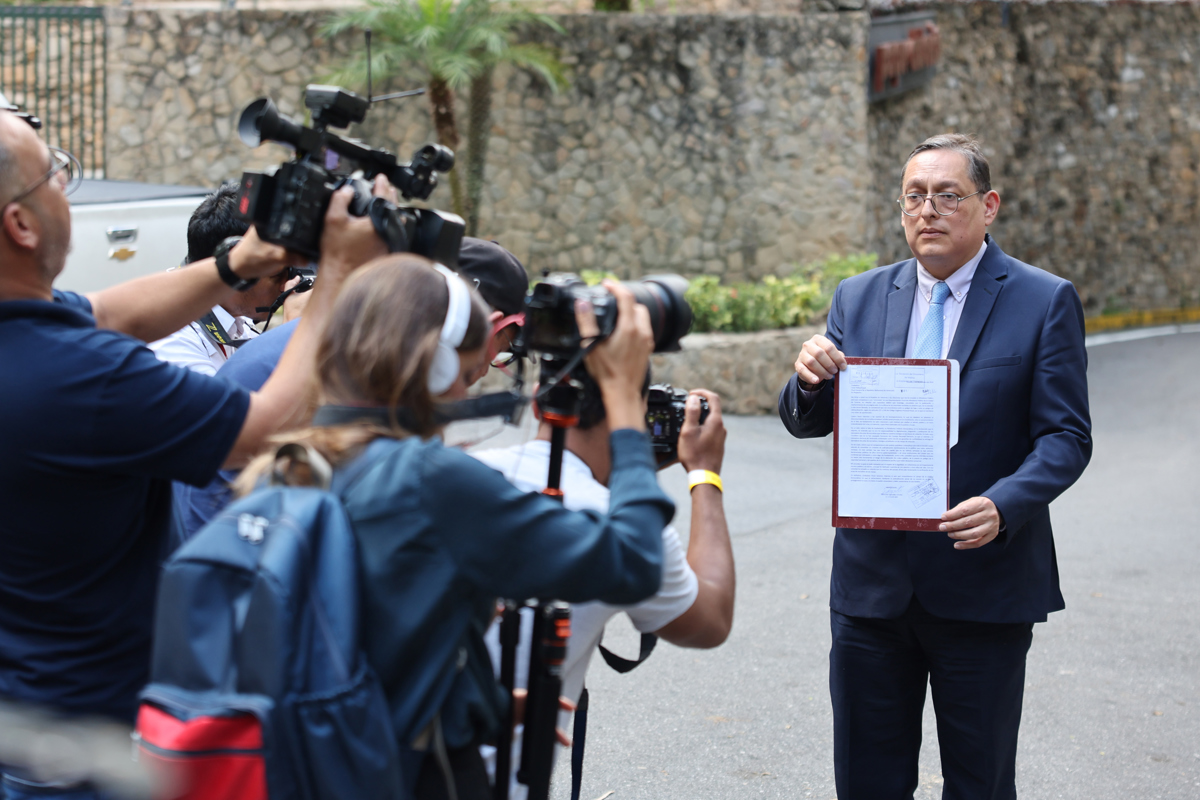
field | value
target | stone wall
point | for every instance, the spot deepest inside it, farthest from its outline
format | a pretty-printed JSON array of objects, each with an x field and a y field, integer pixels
[
  {"x": 177, "y": 81},
  {"x": 698, "y": 144},
  {"x": 725, "y": 145},
  {"x": 1091, "y": 119},
  {"x": 746, "y": 369},
  {"x": 740, "y": 144}
]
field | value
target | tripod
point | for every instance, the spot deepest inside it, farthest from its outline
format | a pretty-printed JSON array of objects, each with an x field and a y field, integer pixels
[{"x": 551, "y": 629}]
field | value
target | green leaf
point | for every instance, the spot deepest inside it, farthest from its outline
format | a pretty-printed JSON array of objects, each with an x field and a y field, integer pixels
[{"x": 773, "y": 302}]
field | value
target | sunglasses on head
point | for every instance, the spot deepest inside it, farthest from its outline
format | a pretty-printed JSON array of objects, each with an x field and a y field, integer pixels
[{"x": 16, "y": 111}]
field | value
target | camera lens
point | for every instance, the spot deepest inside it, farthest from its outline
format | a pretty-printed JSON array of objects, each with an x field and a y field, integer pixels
[
  {"x": 262, "y": 122},
  {"x": 435, "y": 156},
  {"x": 670, "y": 314}
]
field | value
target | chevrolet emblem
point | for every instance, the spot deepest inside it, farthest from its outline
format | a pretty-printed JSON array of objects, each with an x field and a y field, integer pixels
[{"x": 122, "y": 253}]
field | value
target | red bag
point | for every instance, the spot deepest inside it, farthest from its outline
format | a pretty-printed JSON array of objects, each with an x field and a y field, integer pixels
[{"x": 217, "y": 756}]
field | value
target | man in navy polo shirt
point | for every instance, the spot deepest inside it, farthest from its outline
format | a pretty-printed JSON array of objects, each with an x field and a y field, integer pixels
[{"x": 95, "y": 428}]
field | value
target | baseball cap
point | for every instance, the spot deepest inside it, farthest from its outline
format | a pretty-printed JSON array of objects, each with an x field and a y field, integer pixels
[{"x": 496, "y": 273}]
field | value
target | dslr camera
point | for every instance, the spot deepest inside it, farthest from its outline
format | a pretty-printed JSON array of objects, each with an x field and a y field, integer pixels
[
  {"x": 552, "y": 332},
  {"x": 664, "y": 419},
  {"x": 550, "y": 326},
  {"x": 287, "y": 205}
]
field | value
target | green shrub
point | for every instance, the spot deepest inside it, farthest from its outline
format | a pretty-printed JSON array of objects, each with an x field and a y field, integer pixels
[
  {"x": 835, "y": 269},
  {"x": 771, "y": 303}
]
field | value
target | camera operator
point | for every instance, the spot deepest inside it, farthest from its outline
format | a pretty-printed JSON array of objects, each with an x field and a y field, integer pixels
[
  {"x": 205, "y": 344},
  {"x": 496, "y": 274},
  {"x": 95, "y": 428},
  {"x": 441, "y": 535},
  {"x": 694, "y": 605}
]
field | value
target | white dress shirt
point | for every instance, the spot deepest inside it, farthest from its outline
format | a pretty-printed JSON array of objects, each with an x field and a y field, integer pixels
[
  {"x": 190, "y": 347},
  {"x": 959, "y": 284}
]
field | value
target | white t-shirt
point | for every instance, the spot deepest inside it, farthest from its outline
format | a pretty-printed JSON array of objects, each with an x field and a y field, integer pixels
[
  {"x": 525, "y": 466},
  {"x": 190, "y": 347}
]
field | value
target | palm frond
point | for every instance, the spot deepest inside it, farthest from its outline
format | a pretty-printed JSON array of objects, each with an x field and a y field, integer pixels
[
  {"x": 456, "y": 69},
  {"x": 452, "y": 40},
  {"x": 541, "y": 60}
]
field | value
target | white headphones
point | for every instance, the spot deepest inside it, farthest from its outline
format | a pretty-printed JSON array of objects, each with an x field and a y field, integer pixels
[{"x": 443, "y": 372}]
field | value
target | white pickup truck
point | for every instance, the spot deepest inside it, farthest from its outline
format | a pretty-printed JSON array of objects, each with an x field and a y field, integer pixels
[{"x": 122, "y": 230}]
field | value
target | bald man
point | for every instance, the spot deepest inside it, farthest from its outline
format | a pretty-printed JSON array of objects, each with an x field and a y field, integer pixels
[{"x": 95, "y": 428}]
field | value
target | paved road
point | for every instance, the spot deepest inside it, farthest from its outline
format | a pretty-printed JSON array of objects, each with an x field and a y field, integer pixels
[{"x": 1112, "y": 702}]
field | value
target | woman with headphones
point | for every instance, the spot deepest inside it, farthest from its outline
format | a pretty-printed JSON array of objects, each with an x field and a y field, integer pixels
[{"x": 441, "y": 536}]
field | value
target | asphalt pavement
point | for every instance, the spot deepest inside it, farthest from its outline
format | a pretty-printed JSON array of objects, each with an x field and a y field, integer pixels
[{"x": 1112, "y": 700}]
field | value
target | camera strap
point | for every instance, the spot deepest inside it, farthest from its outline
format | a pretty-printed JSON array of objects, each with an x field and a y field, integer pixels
[
  {"x": 623, "y": 665},
  {"x": 304, "y": 285}
]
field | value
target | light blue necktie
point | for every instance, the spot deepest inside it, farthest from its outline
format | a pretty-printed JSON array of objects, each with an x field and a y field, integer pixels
[{"x": 929, "y": 340}]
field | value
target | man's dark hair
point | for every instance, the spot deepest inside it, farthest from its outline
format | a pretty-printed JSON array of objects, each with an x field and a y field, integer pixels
[
  {"x": 214, "y": 221},
  {"x": 591, "y": 403},
  {"x": 977, "y": 164}
]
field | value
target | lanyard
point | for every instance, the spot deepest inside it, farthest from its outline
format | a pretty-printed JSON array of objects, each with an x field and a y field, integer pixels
[{"x": 217, "y": 334}]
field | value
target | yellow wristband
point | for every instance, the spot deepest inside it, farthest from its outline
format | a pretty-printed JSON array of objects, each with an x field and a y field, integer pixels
[{"x": 699, "y": 476}]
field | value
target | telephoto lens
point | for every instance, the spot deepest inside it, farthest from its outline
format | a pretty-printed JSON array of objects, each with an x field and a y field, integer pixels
[
  {"x": 670, "y": 314},
  {"x": 550, "y": 325}
]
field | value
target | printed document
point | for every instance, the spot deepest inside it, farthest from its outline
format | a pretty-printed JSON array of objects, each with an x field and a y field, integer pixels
[{"x": 894, "y": 431}]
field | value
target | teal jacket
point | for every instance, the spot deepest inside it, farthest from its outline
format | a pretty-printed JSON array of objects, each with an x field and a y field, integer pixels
[{"x": 442, "y": 536}]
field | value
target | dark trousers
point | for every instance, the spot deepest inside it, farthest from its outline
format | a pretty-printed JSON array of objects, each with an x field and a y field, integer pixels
[
  {"x": 470, "y": 777},
  {"x": 878, "y": 670}
]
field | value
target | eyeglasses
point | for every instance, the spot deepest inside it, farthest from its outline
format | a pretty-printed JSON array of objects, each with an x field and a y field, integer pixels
[
  {"x": 944, "y": 203},
  {"x": 63, "y": 167},
  {"x": 502, "y": 359}
]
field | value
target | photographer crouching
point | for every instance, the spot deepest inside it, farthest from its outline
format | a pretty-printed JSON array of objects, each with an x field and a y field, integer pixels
[
  {"x": 96, "y": 427},
  {"x": 571, "y": 462}
]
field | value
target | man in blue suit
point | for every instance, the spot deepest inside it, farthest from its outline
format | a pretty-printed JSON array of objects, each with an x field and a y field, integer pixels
[{"x": 954, "y": 609}]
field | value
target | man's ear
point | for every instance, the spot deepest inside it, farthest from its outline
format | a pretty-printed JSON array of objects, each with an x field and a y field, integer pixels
[
  {"x": 21, "y": 227},
  {"x": 991, "y": 206}
]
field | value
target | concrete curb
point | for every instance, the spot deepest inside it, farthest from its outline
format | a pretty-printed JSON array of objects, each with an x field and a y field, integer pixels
[{"x": 1097, "y": 339}]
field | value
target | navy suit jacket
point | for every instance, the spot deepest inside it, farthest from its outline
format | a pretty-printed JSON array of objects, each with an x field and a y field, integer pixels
[{"x": 1024, "y": 437}]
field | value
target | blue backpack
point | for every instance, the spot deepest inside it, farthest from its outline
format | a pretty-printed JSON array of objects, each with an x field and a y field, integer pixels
[{"x": 260, "y": 689}]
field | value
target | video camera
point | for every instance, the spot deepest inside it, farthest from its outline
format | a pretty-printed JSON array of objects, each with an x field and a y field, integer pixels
[
  {"x": 288, "y": 205},
  {"x": 551, "y": 329}
]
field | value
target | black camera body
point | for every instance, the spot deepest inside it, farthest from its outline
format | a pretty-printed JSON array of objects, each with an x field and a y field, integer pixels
[
  {"x": 664, "y": 418},
  {"x": 550, "y": 325},
  {"x": 307, "y": 276},
  {"x": 287, "y": 206},
  {"x": 283, "y": 206}
]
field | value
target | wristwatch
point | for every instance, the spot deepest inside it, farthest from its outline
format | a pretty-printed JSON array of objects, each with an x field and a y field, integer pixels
[{"x": 221, "y": 255}]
